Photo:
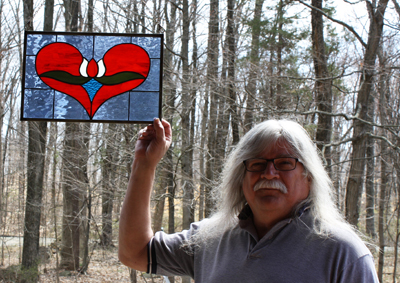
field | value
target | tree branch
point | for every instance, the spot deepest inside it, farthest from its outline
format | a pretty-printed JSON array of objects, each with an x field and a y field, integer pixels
[
  {"x": 351, "y": 29},
  {"x": 396, "y": 7},
  {"x": 395, "y": 147}
]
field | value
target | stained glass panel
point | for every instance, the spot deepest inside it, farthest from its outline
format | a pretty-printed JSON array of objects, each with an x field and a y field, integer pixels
[{"x": 92, "y": 77}]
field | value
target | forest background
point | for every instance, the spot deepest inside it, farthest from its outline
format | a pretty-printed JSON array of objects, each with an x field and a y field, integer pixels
[{"x": 333, "y": 66}]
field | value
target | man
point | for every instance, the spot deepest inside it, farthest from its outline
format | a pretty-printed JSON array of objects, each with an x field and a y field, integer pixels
[{"x": 275, "y": 220}]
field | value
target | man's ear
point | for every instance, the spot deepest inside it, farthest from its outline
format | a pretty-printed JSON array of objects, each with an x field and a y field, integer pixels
[{"x": 308, "y": 177}]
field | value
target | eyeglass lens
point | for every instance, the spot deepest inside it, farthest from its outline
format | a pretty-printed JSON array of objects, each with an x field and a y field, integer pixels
[{"x": 281, "y": 164}]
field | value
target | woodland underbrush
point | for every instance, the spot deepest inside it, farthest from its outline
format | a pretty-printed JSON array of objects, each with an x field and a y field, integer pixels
[{"x": 104, "y": 267}]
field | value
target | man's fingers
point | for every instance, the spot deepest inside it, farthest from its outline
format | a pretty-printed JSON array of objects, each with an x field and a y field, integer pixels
[
  {"x": 146, "y": 137},
  {"x": 167, "y": 130},
  {"x": 159, "y": 128},
  {"x": 146, "y": 133}
]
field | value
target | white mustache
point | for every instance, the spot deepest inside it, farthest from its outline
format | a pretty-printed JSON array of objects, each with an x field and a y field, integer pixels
[{"x": 270, "y": 184}]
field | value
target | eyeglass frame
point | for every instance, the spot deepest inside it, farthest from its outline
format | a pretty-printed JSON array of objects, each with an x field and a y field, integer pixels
[{"x": 273, "y": 162}]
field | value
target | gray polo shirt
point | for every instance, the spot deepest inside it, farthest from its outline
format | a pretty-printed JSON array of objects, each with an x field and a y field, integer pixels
[{"x": 290, "y": 252}]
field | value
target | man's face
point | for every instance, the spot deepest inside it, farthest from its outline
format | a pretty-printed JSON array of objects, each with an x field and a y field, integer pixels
[{"x": 269, "y": 202}]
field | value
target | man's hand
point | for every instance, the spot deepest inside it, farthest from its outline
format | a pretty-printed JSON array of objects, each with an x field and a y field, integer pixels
[{"x": 153, "y": 142}]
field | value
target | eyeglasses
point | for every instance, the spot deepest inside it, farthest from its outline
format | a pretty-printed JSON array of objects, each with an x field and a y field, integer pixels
[{"x": 280, "y": 164}]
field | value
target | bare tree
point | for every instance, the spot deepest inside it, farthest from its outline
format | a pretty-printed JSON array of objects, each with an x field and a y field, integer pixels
[
  {"x": 75, "y": 180},
  {"x": 36, "y": 159},
  {"x": 187, "y": 139},
  {"x": 212, "y": 92},
  {"x": 370, "y": 179},
  {"x": 231, "y": 35},
  {"x": 354, "y": 184},
  {"x": 109, "y": 171},
  {"x": 170, "y": 98},
  {"x": 251, "y": 88},
  {"x": 384, "y": 95},
  {"x": 323, "y": 84},
  {"x": 166, "y": 186},
  {"x": 36, "y": 165},
  {"x": 187, "y": 146}
]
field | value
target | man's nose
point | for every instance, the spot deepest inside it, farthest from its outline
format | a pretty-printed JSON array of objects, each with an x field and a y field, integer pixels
[{"x": 270, "y": 172}]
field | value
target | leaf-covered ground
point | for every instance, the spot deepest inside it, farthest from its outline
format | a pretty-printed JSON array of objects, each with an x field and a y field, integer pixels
[{"x": 104, "y": 267}]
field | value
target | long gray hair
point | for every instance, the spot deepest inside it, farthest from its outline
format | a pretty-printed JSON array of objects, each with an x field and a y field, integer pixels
[{"x": 230, "y": 199}]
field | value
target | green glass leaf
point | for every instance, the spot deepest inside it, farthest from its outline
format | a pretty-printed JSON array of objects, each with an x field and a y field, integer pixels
[
  {"x": 120, "y": 78},
  {"x": 65, "y": 77}
]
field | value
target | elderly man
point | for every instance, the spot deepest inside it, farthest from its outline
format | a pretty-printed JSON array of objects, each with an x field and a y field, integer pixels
[{"x": 275, "y": 220}]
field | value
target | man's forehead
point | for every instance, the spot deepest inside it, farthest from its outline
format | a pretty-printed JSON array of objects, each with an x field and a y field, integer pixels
[{"x": 280, "y": 148}]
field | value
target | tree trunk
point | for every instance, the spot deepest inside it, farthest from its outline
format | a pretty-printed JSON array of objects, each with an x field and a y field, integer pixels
[
  {"x": 212, "y": 92},
  {"x": 384, "y": 94},
  {"x": 187, "y": 147},
  {"x": 143, "y": 17},
  {"x": 90, "y": 16},
  {"x": 88, "y": 199},
  {"x": 323, "y": 84},
  {"x": 35, "y": 173},
  {"x": 354, "y": 184},
  {"x": 132, "y": 275},
  {"x": 48, "y": 15},
  {"x": 396, "y": 241},
  {"x": 109, "y": 175},
  {"x": 28, "y": 15},
  {"x": 222, "y": 125},
  {"x": 370, "y": 180},
  {"x": 72, "y": 191},
  {"x": 280, "y": 99},
  {"x": 53, "y": 145},
  {"x": 71, "y": 14},
  {"x": 36, "y": 159},
  {"x": 193, "y": 83},
  {"x": 251, "y": 89},
  {"x": 159, "y": 199},
  {"x": 169, "y": 168},
  {"x": 85, "y": 200},
  {"x": 129, "y": 132},
  {"x": 231, "y": 56},
  {"x": 74, "y": 177},
  {"x": 3, "y": 145},
  {"x": 382, "y": 215},
  {"x": 370, "y": 152}
]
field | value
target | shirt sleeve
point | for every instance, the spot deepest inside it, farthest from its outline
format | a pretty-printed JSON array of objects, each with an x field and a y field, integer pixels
[
  {"x": 168, "y": 257},
  {"x": 363, "y": 271}
]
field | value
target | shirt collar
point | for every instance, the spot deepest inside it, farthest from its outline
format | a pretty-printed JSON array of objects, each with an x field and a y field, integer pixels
[
  {"x": 246, "y": 212},
  {"x": 246, "y": 221}
]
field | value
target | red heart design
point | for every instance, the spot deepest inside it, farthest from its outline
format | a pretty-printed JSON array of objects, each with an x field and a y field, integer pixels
[{"x": 126, "y": 67}]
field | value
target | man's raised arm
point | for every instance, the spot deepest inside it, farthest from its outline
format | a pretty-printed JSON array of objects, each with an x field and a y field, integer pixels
[{"x": 135, "y": 221}]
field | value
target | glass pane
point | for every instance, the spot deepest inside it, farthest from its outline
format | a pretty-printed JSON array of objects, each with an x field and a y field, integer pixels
[
  {"x": 104, "y": 43},
  {"x": 151, "y": 44},
  {"x": 32, "y": 79},
  {"x": 152, "y": 83},
  {"x": 38, "y": 104},
  {"x": 35, "y": 42},
  {"x": 143, "y": 106},
  {"x": 115, "y": 108},
  {"x": 68, "y": 108},
  {"x": 83, "y": 43}
]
